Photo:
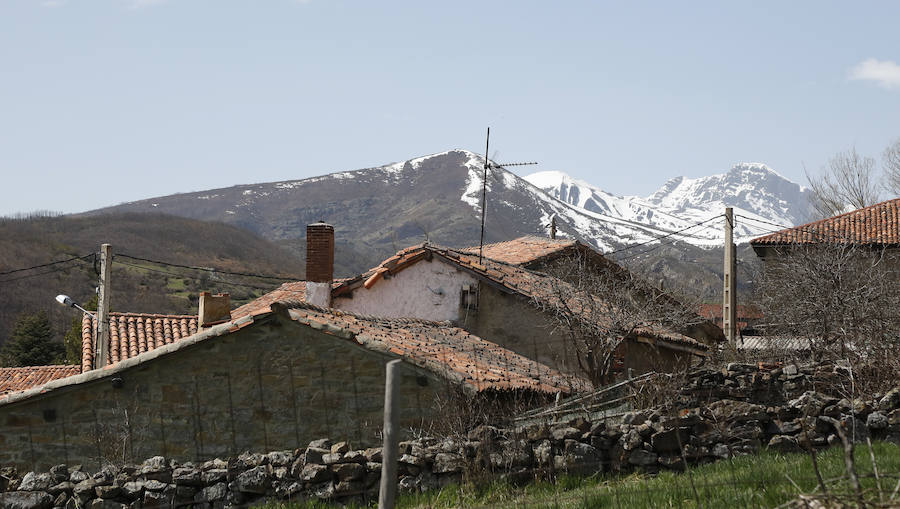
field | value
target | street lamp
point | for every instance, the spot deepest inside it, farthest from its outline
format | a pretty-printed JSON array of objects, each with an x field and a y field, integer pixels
[{"x": 65, "y": 300}]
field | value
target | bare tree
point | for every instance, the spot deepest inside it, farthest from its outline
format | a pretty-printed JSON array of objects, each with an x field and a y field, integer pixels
[
  {"x": 847, "y": 182},
  {"x": 891, "y": 164},
  {"x": 839, "y": 299},
  {"x": 597, "y": 308}
]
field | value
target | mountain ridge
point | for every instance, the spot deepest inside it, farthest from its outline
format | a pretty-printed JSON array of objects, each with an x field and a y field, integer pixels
[{"x": 437, "y": 198}]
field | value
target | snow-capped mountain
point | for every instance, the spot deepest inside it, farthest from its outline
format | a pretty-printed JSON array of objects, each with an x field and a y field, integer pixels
[
  {"x": 438, "y": 197},
  {"x": 761, "y": 198}
]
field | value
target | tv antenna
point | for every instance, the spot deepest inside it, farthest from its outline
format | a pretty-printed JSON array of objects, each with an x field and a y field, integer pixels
[{"x": 489, "y": 165}]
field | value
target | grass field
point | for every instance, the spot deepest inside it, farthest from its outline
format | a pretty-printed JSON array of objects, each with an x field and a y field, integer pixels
[{"x": 765, "y": 480}]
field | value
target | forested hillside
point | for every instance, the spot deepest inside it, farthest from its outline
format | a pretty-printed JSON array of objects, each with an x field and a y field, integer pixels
[{"x": 137, "y": 286}]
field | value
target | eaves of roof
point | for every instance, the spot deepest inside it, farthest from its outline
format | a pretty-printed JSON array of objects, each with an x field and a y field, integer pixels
[
  {"x": 476, "y": 365},
  {"x": 875, "y": 225}
]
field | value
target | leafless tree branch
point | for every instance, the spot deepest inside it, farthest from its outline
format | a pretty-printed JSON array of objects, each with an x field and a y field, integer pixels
[{"x": 848, "y": 182}]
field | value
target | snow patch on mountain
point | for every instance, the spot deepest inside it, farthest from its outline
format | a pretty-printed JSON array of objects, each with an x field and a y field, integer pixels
[
  {"x": 756, "y": 192},
  {"x": 759, "y": 195}
]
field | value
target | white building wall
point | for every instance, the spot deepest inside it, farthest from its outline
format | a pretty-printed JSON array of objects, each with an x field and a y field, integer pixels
[{"x": 427, "y": 290}]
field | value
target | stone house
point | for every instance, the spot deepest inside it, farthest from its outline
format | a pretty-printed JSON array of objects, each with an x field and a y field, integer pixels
[
  {"x": 832, "y": 287},
  {"x": 546, "y": 255},
  {"x": 280, "y": 374},
  {"x": 499, "y": 301},
  {"x": 306, "y": 360}
]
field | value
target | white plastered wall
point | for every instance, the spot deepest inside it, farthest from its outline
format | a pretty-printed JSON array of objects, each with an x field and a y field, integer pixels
[{"x": 427, "y": 290}]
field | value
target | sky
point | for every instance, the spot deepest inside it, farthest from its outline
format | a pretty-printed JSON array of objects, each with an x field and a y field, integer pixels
[{"x": 109, "y": 101}]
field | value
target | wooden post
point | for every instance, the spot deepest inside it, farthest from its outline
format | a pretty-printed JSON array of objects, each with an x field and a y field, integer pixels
[
  {"x": 553, "y": 227},
  {"x": 101, "y": 349},
  {"x": 388, "y": 489},
  {"x": 729, "y": 300}
]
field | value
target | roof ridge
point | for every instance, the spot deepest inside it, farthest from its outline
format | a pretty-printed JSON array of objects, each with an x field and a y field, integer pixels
[
  {"x": 149, "y": 315},
  {"x": 300, "y": 304},
  {"x": 73, "y": 366},
  {"x": 810, "y": 227}
]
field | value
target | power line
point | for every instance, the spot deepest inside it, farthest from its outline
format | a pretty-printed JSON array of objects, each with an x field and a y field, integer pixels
[
  {"x": 46, "y": 265},
  {"x": 763, "y": 221},
  {"x": 60, "y": 269},
  {"x": 207, "y": 269},
  {"x": 160, "y": 271},
  {"x": 663, "y": 236}
]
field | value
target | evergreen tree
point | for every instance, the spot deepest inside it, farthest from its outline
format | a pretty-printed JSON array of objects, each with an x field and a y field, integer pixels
[{"x": 31, "y": 343}]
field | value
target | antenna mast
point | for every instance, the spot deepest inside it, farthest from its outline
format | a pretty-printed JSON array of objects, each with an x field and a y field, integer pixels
[
  {"x": 487, "y": 145},
  {"x": 487, "y": 165}
]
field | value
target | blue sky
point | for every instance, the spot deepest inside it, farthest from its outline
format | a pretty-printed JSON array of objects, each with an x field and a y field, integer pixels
[{"x": 106, "y": 101}]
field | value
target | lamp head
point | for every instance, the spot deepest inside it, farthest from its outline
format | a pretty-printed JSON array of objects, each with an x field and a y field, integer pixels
[{"x": 65, "y": 300}]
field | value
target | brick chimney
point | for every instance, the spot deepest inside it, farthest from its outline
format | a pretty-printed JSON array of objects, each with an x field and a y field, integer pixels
[
  {"x": 214, "y": 309},
  {"x": 319, "y": 263}
]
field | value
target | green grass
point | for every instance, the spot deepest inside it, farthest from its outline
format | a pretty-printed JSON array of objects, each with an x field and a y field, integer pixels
[
  {"x": 176, "y": 285},
  {"x": 765, "y": 480}
]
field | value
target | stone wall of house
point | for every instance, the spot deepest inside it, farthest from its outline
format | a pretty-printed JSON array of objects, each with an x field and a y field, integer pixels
[
  {"x": 429, "y": 290},
  {"x": 272, "y": 386},
  {"x": 516, "y": 324},
  {"x": 713, "y": 415},
  {"x": 642, "y": 358}
]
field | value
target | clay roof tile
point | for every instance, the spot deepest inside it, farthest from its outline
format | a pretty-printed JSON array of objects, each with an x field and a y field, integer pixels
[{"x": 874, "y": 225}]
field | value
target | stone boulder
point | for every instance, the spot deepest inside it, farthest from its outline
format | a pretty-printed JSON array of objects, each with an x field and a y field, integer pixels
[
  {"x": 890, "y": 401},
  {"x": 255, "y": 480},
  {"x": 447, "y": 462},
  {"x": 36, "y": 482},
  {"x": 25, "y": 500},
  {"x": 314, "y": 473}
]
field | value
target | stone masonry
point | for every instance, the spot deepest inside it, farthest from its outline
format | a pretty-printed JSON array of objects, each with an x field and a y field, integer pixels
[{"x": 717, "y": 414}]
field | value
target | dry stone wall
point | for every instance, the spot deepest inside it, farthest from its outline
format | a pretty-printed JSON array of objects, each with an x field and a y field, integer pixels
[{"x": 715, "y": 415}]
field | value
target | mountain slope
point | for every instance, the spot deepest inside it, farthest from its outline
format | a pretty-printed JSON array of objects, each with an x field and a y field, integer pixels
[
  {"x": 438, "y": 197},
  {"x": 388, "y": 207},
  {"x": 135, "y": 285},
  {"x": 752, "y": 189},
  {"x": 377, "y": 211}
]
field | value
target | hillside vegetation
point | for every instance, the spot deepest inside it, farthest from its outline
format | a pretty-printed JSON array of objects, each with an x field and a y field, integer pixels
[{"x": 136, "y": 286}]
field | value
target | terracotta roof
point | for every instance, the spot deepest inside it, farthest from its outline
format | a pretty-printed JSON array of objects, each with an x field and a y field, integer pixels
[
  {"x": 877, "y": 224},
  {"x": 131, "y": 334},
  {"x": 714, "y": 311},
  {"x": 525, "y": 250},
  {"x": 509, "y": 278},
  {"x": 20, "y": 379},
  {"x": 287, "y": 291},
  {"x": 448, "y": 351}
]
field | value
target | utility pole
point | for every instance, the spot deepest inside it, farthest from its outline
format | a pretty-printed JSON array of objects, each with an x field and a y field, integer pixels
[
  {"x": 553, "y": 227},
  {"x": 101, "y": 349},
  {"x": 387, "y": 492},
  {"x": 729, "y": 301}
]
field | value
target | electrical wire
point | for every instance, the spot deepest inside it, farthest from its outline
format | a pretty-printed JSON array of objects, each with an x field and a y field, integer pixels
[
  {"x": 160, "y": 271},
  {"x": 763, "y": 221},
  {"x": 47, "y": 264},
  {"x": 662, "y": 236},
  {"x": 27, "y": 276},
  {"x": 207, "y": 269}
]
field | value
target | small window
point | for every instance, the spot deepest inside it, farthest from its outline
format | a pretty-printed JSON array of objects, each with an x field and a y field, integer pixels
[{"x": 469, "y": 297}]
